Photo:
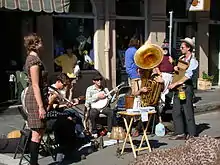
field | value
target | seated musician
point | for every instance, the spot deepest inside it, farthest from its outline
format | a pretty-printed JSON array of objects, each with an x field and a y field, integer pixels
[
  {"x": 57, "y": 92},
  {"x": 94, "y": 93},
  {"x": 57, "y": 103},
  {"x": 66, "y": 117}
]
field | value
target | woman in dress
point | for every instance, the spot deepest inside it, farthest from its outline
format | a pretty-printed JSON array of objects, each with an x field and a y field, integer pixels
[{"x": 36, "y": 96}]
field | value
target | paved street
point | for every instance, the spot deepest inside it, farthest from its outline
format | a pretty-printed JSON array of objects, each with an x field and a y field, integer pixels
[{"x": 208, "y": 124}]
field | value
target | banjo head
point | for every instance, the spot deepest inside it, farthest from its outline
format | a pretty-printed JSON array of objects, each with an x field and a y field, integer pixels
[{"x": 100, "y": 104}]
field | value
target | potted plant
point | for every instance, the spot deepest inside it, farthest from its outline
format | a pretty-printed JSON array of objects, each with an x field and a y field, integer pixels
[{"x": 205, "y": 83}]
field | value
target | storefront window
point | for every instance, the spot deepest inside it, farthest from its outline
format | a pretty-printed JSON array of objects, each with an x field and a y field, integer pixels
[
  {"x": 178, "y": 8},
  {"x": 75, "y": 33},
  {"x": 214, "y": 10},
  {"x": 130, "y": 7},
  {"x": 80, "y": 6}
]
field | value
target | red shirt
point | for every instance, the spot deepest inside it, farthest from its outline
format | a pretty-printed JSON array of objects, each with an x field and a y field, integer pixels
[{"x": 165, "y": 65}]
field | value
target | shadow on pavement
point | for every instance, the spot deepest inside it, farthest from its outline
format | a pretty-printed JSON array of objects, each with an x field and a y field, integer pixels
[
  {"x": 201, "y": 127},
  {"x": 153, "y": 144},
  {"x": 196, "y": 99}
]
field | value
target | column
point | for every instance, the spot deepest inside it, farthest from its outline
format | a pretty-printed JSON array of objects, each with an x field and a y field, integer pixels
[
  {"x": 112, "y": 53},
  {"x": 99, "y": 38},
  {"x": 202, "y": 41},
  {"x": 45, "y": 30},
  {"x": 157, "y": 21}
]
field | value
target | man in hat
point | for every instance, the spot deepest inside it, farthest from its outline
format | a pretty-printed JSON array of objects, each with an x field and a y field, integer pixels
[
  {"x": 95, "y": 93},
  {"x": 183, "y": 112}
]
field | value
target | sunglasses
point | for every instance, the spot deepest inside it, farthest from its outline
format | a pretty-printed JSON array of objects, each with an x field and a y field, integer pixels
[{"x": 182, "y": 47}]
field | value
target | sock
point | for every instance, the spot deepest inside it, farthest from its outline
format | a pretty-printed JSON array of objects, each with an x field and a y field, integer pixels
[{"x": 34, "y": 149}]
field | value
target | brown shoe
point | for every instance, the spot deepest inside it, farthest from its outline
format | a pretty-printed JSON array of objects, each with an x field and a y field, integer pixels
[{"x": 178, "y": 137}]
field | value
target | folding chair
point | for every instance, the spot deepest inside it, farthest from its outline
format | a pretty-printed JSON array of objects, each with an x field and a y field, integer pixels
[
  {"x": 22, "y": 146},
  {"x": 25, "y": 139}
]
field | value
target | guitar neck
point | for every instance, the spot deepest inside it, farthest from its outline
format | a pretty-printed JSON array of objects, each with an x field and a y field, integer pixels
[{"x": 114, "y": 89}]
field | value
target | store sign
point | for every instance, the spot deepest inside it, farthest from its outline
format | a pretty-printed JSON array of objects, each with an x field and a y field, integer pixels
[{"x": 198, "y": 5}]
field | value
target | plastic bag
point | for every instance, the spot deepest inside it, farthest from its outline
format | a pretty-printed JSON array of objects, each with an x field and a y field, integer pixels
[{"x": 160, "y": 129}]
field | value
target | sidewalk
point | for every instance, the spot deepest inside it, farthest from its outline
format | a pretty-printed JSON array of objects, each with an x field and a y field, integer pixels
[
  {"x": 10, "y": 119},
  {"x": 207, "y": 100},
  {"x": 207, "y": 124}
]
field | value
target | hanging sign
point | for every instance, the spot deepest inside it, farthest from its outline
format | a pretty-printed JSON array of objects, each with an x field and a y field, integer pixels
[{"x": 198, "y": 5}]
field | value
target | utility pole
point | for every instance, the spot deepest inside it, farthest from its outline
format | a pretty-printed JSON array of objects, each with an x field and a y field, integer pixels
[{"x": 170, "y": 31}]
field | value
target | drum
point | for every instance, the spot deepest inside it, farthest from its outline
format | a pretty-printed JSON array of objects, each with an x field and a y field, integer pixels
[{"x": 129, "y": 101}]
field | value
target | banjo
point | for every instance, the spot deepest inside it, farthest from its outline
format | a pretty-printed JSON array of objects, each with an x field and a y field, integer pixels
[{"x": 102, "y": 103}]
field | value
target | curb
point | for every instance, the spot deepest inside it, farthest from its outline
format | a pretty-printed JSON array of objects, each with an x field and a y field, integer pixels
[{"x": 204, "y": 108}]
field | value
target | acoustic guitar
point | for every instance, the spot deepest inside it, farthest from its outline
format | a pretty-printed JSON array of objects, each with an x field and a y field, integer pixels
[
  {"x": 53, "y": 90},
  {"x": 103, "y": 103}
]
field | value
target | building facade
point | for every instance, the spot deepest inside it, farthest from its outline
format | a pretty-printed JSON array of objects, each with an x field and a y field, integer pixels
[
  {"x": 113, "y": 27},
  {"x": 104, "y": 27}
]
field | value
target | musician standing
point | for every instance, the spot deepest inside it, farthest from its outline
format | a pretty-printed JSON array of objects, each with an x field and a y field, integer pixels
[
  {"x": 184, "y": 120},
  {"x": 165, "y": 69},
  {"x": 94, "y": 93},
  {"x": 131, "y": 67}
]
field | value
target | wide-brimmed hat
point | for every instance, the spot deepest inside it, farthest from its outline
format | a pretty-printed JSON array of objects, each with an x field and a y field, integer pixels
[{"x": 189, "y": 41}]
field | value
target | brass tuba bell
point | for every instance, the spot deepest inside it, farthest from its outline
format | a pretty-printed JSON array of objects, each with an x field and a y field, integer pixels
[{"x": 148, "y": 56}]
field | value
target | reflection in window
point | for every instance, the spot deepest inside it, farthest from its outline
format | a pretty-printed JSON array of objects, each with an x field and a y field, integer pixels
[
  {"x": 130, "y": 7},
  {"x": 76, "y": 34}
]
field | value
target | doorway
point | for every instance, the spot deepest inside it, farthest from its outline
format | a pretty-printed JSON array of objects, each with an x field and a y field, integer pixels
[
  {"x": 125, "y": 30},
  {"x": 11, "y": 52},
  {"x": 214, "y": 53}
]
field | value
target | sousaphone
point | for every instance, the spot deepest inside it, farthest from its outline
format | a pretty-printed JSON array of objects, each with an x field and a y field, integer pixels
[{"x": 147, "y": 57}]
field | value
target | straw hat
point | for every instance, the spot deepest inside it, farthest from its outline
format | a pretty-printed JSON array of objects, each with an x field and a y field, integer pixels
[{"x": 189, "y": 41}]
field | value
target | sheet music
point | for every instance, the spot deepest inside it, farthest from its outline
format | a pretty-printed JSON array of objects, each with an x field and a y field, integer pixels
[{"x": 144, "y": 116}]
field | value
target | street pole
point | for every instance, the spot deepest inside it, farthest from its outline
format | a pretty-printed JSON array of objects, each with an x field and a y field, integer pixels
[{"x": 170, "y": 32}]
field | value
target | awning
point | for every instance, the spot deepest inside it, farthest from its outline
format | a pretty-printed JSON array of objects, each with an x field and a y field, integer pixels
[{"x": 48, "y": 6}]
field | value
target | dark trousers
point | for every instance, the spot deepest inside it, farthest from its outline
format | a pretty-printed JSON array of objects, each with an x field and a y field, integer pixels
[
  {"x": 94, "y": 114},
  {"x": 183, "y": 113}
]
